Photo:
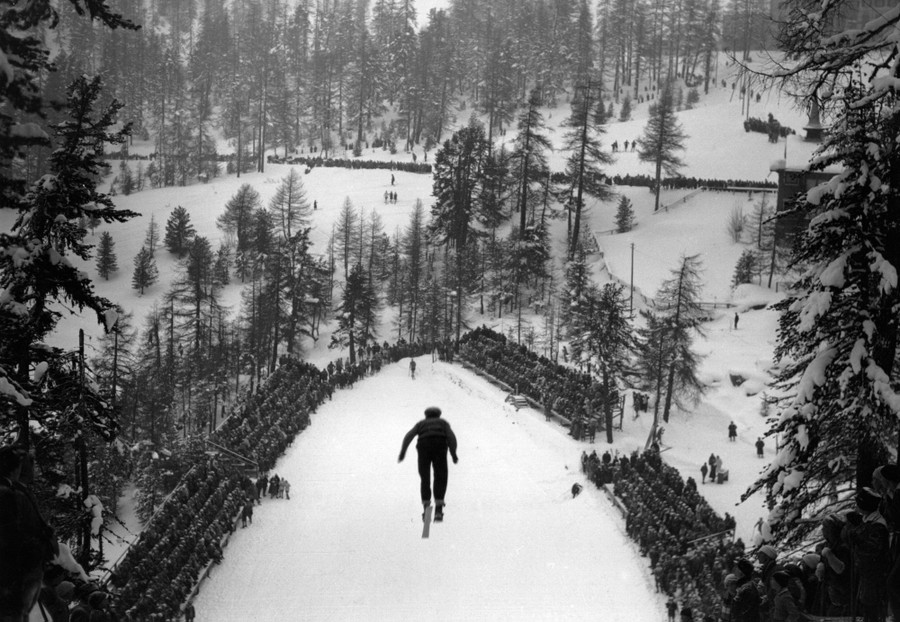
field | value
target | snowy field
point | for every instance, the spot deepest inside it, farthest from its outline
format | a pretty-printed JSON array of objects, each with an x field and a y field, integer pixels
[{"x": 514, "y": 545}]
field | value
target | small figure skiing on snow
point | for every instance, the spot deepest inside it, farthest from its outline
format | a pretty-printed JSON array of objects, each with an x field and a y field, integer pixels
[{"x": 435, "y": 438}]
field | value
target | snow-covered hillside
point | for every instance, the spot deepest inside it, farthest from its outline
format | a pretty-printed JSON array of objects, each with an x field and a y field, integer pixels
[{"x": 487, "y": 542}]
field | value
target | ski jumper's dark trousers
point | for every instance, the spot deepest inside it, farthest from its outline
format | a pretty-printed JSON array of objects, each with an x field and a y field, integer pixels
[{"x": 432, "y": 454}]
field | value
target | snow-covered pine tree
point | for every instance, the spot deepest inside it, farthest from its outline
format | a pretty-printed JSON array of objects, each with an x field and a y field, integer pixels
[
  {"x": 584, "y": 174},
  {"x": 577, "y": 280},
  {"x": 195, "y": 294},
  {"x": 669, "y": 362},
  {"x": 35, "y": 270},
  {"x": 625, "y": 110},
  {"x": 459, "y": 178},
  {"x": 357, "y": 314},
  {"x": 745, "y": 269},
  {"x": 107, "y": 262},
  {"x": 601, "y": 333},
  {"x": 222, "y": 267},
  {"x": 528, "y": 159},
  {"x": 145, "y": 271},
  {"x": 114, "y": 364},
  {"x": 179, "y": 231},
  {"x": 838, "y": 333},
  {"x": 345, "y": 236},
  {"x": 126, "y": 178},
  {"x": 289, "y": 205},
  {"x": 23, "y": 93},
  {"x": 151, "y": 239},
  {"x": 624, "y": 215},
  {"x": 663, "y": 137},
  {"x": 838, "y": 330}
]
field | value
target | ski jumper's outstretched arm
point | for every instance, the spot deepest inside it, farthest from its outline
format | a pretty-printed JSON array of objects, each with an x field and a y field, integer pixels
[
  {"x": 407, "y": 440},
  {"x": 451, "y": 443}
]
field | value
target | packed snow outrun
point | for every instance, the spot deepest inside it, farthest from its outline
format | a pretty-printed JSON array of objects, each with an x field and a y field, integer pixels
[{"x": 515, "y": 544}]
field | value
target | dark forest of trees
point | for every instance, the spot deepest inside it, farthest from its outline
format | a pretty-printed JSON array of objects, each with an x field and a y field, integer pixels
[{"x": 304, "y": 76}]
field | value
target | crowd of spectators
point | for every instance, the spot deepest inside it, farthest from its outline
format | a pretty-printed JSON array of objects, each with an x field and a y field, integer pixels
[
  {"x": 311, "y": 162},
  {"x": 850, "y": 568},
  {"x": 186, "y": 535},
  {"x": 572, "y": 396},
  {"x": 679, "y": 183},
  {"x": 690, "y": 547}
]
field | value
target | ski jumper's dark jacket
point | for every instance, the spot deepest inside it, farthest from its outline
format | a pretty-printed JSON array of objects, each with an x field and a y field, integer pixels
[{"x": 430, "y": 428}]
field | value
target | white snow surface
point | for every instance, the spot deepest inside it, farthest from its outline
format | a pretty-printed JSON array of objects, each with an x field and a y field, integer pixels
[{"x": 515, "y": 544}]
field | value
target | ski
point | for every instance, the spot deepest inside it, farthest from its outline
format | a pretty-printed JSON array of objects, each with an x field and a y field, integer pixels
[{"x": 426, "y": 519}]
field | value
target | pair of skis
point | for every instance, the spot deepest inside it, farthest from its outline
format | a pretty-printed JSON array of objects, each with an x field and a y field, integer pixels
[{"x": 427, "y": 519}]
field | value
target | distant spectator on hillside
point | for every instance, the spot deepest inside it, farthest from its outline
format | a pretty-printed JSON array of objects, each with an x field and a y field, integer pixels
[{"x": 732, "y": 432}]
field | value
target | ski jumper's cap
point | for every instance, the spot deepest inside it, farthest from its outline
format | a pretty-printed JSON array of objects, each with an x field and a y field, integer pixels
[{"x": 432, "y": 411}]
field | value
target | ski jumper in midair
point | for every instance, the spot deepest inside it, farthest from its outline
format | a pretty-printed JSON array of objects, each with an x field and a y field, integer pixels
[{"x": 435, "y": 438}]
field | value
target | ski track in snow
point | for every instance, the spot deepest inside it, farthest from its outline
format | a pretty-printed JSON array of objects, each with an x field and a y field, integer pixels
[{"x": 515, "y": 545}]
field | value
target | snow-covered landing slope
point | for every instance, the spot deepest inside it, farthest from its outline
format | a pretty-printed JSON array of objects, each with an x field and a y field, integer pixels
[{"x": 515, "y": 545}]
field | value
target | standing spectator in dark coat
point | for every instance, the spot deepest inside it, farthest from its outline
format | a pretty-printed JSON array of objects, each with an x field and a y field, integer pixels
[
  {"x": 26, "y": 540},
  {"x": 869, "y": 541},
  {"x": 784, "y": 607},
  {"x": 732, "y": 432},
  {"x": 834, "y": 568},
  {"x": 671, "y": 608},
  {"x": 703, "y": 471},
  {"x": 274, "y": 481},
  {"x": 760, "y": 445},
  {"x": 548, "y": 404},
  {"x": 886, "y": 481},
  {"x": 247, "y": 513},
  {"x": 766, "y": 556},
  {"x": 262, "y": 484},
  {"x": 745, "y": 606},
  {"x": 712, "y": 467}
]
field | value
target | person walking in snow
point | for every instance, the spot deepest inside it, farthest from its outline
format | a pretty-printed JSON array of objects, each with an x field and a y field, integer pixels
[
  {"x": 262, "y": 484},
  {"x": 286, "y": 487},
  {"x": 671, "y": 608},
  {"x": 732, "y": 432},
  {"x": 760, "y": 445},
  {"x": 247, "y": 513},
  {"x": 712, "y": 467},
  {"x": 435, "y": 438},
  {"x": 412, "y": 368},
  {"x": 736, "y": 319},
  {"x": 704, "y": 469},
  {"x": 273, "y": 486}
]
